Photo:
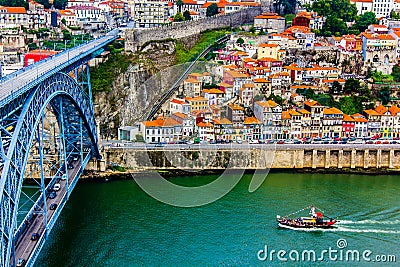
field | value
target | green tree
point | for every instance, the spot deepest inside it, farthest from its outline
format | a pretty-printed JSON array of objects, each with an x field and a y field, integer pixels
[
  {"x": 261, "y": 32},
  {"x": 66, "y": 35},
  {"x": 277, "y": 99},
  {"x": 186, "y": 15},
  {"x": 252, "y": 29},
  {"x": 384, "y": 95},
  {"x": 342, "y": 9},
  {"x": 335, "y": 25},
  {"x": 285, "y": 6},
  {"x": 365, "y": 20},
  {"x": 64, "y": 21},
  {"x": 240, "y": 41},
  {"x": 310, "y": 94},
  {"x": 396, "y": 73},
  {"x": 179, "y": 17},
  {"x": 347, "y": 105},
  {"x": 179, "y": 4},
  {"x": 351, "y": 86},
  {"x": 336, "y": 88},
  {"x": 212, "y": 10}
]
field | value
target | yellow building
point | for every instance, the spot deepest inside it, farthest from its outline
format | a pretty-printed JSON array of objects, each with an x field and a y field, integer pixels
[
  {"x": 197, "y": 103},
  {"x": 268, "y": 50}
]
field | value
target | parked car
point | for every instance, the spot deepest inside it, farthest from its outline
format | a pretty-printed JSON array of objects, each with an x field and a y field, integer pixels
[
  {"x": 53, "y": 206},
  {"x": 369, "y": 142},
  {"x": 159, "y": 145},
  {"x": 280, "y": 142},
  {"x": 253, "y": 142}
]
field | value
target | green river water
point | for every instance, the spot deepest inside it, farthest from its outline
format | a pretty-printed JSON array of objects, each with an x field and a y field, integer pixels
[{"x": 117, "y": 224}]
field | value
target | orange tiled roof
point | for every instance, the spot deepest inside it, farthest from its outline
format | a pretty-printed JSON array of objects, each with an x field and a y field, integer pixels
[
  {"x": 381, "y": 109},
  {"x": 303, "y": 111},
  {"x": 180, "y": 115},
  {"x": 177, "y": 101},
  {"x": 236, "y": 74},
  {"x": 394, "y": 110},
  {"x": 372, "y": 112},
  {"x": 161, "y": 122},
  {"x": 347, "y": 118},
  {"x": 268, "y": 45},
  {"x": 260, "y": 80},
  {"x": 251, "y": 120},
  {"x": 285, "y": 115},
  {"x": 13, "y": 10},
  {"x": 235, "y": 107},
  {"x": 213, "y": 91},
  {"x": 293, "y": 112},
  {"x": 311, "y": 103},
  {"x": 332, "y": 111},
  {"x": 269, "y": 16},
  {"x": 267, "y": 104}
]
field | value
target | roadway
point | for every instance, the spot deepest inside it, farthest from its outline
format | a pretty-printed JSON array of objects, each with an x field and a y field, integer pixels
[
  {"x": 25, "y": 246},
  {"x": 16, "y": 81},
  {"x": 244, "y": 146}
]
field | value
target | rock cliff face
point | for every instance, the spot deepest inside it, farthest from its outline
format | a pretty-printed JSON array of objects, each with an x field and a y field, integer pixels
[{"x": 133, "y": 93}]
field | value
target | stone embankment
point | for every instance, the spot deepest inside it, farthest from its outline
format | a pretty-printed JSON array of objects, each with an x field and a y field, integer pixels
[{"x": 352, "y": 159}]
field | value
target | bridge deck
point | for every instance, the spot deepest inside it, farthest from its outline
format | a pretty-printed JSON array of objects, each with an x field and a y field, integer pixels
[
  {"x": 25, "y": 78},
  {"x": 25, "y": 246}
]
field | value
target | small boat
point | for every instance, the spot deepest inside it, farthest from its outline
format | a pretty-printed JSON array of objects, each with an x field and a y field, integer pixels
[{"x": 317, "y": 220}]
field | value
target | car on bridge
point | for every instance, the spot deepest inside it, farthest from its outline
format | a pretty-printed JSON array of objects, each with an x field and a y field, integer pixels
[
  {"x": 35, "y": 236},
  {"x": 56, "y": 187},
  {"x": 21, "y": 262},
  {"x": 53, "y": 206},
  {"x": 52, "y": 195}
]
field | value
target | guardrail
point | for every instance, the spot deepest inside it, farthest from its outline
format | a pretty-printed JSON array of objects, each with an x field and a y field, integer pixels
[
  {"x": 167, "y": 94},
  {"x": 54, "y": 62}
]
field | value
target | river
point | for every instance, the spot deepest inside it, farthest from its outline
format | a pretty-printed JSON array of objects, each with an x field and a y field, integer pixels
[{"x": 117, "y": 224}]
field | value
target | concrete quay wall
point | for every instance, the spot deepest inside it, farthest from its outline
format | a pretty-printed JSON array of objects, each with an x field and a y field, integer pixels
[{"x": 254, "y": 158}]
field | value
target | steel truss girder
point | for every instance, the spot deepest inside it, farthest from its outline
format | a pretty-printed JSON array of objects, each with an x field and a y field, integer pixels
[{"x": 59, "y": 85}]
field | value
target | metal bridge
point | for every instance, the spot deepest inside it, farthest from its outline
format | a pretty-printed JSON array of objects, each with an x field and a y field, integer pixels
[{"x": 47, "y": 136}]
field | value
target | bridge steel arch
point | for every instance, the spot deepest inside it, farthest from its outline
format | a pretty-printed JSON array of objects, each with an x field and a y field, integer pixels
[{"x": 17, "y": 135}]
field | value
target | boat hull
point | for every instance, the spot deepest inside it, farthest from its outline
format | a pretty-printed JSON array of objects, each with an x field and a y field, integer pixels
[{"x": 296, "y": 224}]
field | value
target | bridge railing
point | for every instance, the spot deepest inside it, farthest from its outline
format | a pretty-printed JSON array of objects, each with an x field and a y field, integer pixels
[{"x": 54, "y": 67}]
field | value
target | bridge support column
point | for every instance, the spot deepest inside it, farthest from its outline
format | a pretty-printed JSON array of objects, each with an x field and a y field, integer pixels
[
  {"x": 340, "y": 158},
  {"x": 353, "y": 159},
  {"x": 314, "y": 158},
  {"x": 378, "y": 158},
  {"x": 327, "y": 158},
  {"x": 391, "y": 157},
  {"x": 366, "y": 155}
]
